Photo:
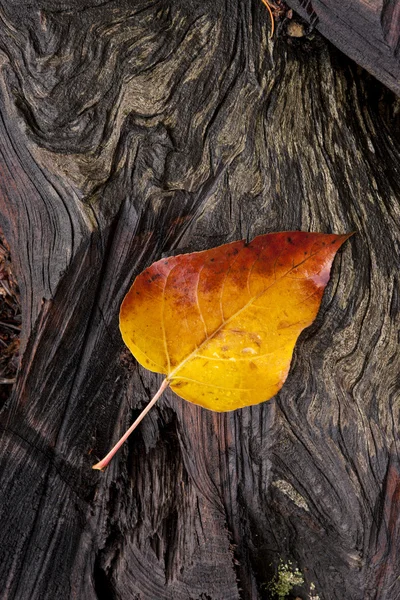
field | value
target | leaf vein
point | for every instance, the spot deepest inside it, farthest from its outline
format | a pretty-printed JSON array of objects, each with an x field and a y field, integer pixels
[
  {"x": 214, "y": 333},
  {"x": 198, "y": 302},
  {"x": 163, "y": 321},
  {"x": 219, "y": 387}
]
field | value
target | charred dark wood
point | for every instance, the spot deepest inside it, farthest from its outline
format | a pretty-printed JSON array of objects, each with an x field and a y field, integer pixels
[{"x": 131, "y": 130}]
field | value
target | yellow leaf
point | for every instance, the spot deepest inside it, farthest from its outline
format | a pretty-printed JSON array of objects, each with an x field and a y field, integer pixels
[{"x": 222, "y": 324}]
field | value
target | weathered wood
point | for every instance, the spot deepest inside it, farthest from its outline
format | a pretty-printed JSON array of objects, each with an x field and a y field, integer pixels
[
  {"x": 366, "y": 30},
  {"x": 130, "y": 130}
]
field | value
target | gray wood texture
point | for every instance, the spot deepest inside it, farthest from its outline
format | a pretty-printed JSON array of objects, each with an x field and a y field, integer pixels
[{"x": 132, "y": 130}]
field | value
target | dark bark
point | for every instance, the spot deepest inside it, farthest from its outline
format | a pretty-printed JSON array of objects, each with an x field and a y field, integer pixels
[{"x": 130, "y": 130}]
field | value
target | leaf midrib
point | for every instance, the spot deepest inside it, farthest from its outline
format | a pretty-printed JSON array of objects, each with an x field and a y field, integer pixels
[{"x": 172, "y": 375}]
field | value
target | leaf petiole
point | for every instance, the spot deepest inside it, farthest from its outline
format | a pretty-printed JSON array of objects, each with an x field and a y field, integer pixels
[{"x": 104, "y": 462}]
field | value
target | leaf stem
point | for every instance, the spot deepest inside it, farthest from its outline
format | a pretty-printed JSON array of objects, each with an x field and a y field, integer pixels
[
  {"x": 104, "y": 462},
  {"x": 271, "y": 16}
]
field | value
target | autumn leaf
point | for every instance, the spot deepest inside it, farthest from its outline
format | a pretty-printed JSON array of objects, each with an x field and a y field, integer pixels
[{"x": 222, "y": 324}]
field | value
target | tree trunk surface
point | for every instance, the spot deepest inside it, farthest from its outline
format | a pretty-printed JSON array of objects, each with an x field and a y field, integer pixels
[{"x": 135, "y": 130}]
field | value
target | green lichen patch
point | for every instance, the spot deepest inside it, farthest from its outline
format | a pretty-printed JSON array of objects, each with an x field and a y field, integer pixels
[{"x": 285, "y": 580}]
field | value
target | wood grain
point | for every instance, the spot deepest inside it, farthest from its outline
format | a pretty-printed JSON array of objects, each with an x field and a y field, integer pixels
[
  {"x": 368, "y": 31},
  {"x": 132, "y": 131}
]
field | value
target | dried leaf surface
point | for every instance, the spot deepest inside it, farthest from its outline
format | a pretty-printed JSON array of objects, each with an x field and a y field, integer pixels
[{"x": 222, "y": 324}]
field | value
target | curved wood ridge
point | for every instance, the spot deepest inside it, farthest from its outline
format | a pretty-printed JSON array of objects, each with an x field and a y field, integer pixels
[{"x": 134, "y": 130}]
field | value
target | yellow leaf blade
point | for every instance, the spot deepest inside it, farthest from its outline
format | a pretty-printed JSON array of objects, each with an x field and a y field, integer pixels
[{"x": 222, "y": 324}]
